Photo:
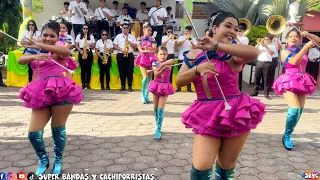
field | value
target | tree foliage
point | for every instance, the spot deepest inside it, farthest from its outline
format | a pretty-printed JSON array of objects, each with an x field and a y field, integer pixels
[{"x": 37, "y": 6}]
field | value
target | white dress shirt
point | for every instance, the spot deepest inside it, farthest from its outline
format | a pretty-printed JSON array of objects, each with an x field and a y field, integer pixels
[
  {"x": 186, "y": 46},
  {"x": 100, "y": 45},
  {"x": 124, "y": 19},
  {"x": 264, "y": 56},
  {"x": 66, "y": 16},
  {"x": 90, "y": 14},
  {"x": 76, "y": 19},
  {"x": 97, "y": 14},
  {"x": 313, "y": 54},
  {"x": 143, "y": 17},
  {"x": 169, "y": 45},
  {"x": 36, "y": 35},
  {"x": 81, "y": 41},
  {"x": 155, "y": 12},
  {"x": 243, "y": 40},
  {"x": 276, "y": 54},
  {"x": 120, "y": 41}
]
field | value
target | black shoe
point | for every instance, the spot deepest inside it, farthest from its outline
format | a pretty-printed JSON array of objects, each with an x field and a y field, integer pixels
[
  {"x": 3, "y": 85},
  {"x": 254, "y": 94},
  {"x": 178, "y": 89},
  {"x": 102, "y": 88},
  {"x": 267, "y": 96},
  {"x": 130, "y": 89},
  {"x": 122, "y": 88},
  {"x": 108, "y": 88},
  {"x": 88, "y": 86},
  {"x": 189, "y": 90}
]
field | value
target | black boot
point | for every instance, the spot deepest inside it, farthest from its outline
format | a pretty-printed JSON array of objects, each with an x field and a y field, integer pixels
[
  {"x": 130, "y": 89},
  {"x": 189, "y": 88},
  {"x": 122, "y": 88},
  {"x": 266, "y": 95},
  {"x": 2, "y": 84},
  {"x": 178, "y": 89},
  {"x": 88, "y": 85},
  {"x": 254, "y": 94}
]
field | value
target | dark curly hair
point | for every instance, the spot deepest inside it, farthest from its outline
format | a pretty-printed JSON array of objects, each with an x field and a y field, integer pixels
[
  {"x": 217, "y": 18},
  {"x": 293, "y": 30},
  {"x": 51, "y": 24}
]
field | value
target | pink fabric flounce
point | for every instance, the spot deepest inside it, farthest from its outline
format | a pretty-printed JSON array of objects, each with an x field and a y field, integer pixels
[
  {"x": 161, "y": 88},
  {"x": 145, "y": 59},
  {"x": 49, "y": 91},
  {"x": 210, "y": 117},
  {"x": 298, "y": 83},
  {"x": 71, "y": 63}
]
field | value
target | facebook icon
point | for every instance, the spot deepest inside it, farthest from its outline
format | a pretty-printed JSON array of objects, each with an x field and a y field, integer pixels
[{"x": 3, "y": 176}]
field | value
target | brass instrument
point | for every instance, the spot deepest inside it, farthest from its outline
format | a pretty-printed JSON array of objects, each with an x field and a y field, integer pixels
[
  {"x": 106, "y": 53},
  {"x": 189, "y": 38},
  {"x": 30, "y": 34},
  {"x": 276, "y": 24},
  {"x": 126, "y": 48},
  {"x": 246, "y": 24},
  {"x": 86, "y": 47},
  {"x": 78, "y": 11},
  {"x": 101, "y": 14},
  {"x": 174, "y": 37}
]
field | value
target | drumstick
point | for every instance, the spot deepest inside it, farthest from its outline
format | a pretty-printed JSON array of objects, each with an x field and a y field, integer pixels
[
  {"x": 226, "y": 105},
  {"x": 148, "y": 71},
  {"x": 70, "y": 71}
]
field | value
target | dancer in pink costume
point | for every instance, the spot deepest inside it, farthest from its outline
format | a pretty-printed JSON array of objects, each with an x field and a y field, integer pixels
[
  {"x": 161, "y": 87},
  {"x": 295, "y": 83},
  {"x": 219, "y": 133},
  {"x": 51, "y": 95},
  {"x": 146, "y": 45}
]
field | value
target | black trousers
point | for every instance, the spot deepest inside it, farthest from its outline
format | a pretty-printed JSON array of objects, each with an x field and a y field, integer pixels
[
  {"x": 69, "y": 26},
  {"x": 125, "y": 65},
  {"x": 171, "y": 56},
  {"x": 261, "y": 71},
  {"x": 102, "y": 25},
  {"x": 240, "y": 81},
  {"x": 159, "y": 30},
  {"x": 104, "y": 70},
  {"x": 1, "y": 81},
  {"x": 313, "y": 69},
  {"x": 114, "y": 31},
  {"x": 86, "y": 65},
  {"x": 30, "y": 72},
  {"x": 272, "y": 72},
  {"x": 76, "y": 29}
]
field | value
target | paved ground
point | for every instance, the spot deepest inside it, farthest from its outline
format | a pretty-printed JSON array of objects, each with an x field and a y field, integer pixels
[{"x": 112, "y": 132}]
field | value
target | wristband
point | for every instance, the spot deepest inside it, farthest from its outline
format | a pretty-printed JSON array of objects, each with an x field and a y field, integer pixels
[{"x": 215, "y": 47}]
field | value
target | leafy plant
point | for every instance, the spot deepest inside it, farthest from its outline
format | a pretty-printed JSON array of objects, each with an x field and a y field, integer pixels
[
  {"x": 37, "y": 6},
  {"x": 256, "y": 32}
]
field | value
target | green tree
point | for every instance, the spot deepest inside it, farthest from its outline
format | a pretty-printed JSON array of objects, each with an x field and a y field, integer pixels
[
  {"x": 37, "y": 6},
  {"x": 11, "y": 18}
]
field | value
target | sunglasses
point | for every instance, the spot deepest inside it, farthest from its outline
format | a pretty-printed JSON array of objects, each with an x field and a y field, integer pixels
[
  {"x": 85, "y": 28},
  {"x": 30, "y": 24},
  {"x": 125, "y": 27},
  {"x": 169, "y": 31},
  {"x": 104, "y": 34}
]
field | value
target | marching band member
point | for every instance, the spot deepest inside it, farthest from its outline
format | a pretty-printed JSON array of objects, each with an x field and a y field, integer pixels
[
  {"x": 243, "y": 40},
  {"x": 156, "y": 17},
  {"x": 77, "y": 19},
  {"x": 51, "y": 95},
  {"x": 272, "y": 69},
  {"x": 266, "y": 49},
  {"x": 31, "y": 33},
  {"x": 161, "y": 87},
  {"x": 185, "y": 43},
  {"x": 295, "y": 83},
  {"x": 104, "y": 48},
  {"x": 124, "y": 18},
  {"x": 124, "y": 43},
  {"x": 84, "y": 42},
  {"x": 313, "y": 63},
  {"x": 115, "y": 12},
  {"x": 171, "y": 44},
  {"x": 146, "y": 47},
  {"x": 219, "y": 133},
  {"x": 2, "y": 84},
  {"x": 90, "y": 14},
  {"x": 103, "y": 24},
  {"x": 142, "y": 14},
  {"x": 66, "y": 16}
]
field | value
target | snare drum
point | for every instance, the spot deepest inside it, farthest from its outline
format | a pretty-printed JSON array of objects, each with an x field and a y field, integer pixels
[{"x": 136, "y": 28}]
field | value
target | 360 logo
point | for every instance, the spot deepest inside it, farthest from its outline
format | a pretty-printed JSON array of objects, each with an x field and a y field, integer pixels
[{"x": 311, "y": 175}]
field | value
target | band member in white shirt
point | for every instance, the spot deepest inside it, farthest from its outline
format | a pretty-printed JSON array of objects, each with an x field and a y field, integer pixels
[
  {"x": 171, "y": 44},
  {"x": 103, "y": 24},
  {"x": 157, "y": 15},
  {"x": 90, "y": 13},
  {"x": 142, "y": 14},
  {"x": 77, "y": 19},
  {"x": 102, "y": 48},
  {"x": 124, "y": 18},
  {"x": 186, "y": 43},
  {"x": 85, "y": 57},
  {"x": 115, "y": 12},
  {"x": 31, "y": 33},
  {"x": 272, "y": 70},
  {"x": 125, "y": 44},
  {"x": 266, "y": 49},
  {"x": 66, "y": 16},
  {"x": 313, "y": 63},
  {"x": 241, "y": 39}
]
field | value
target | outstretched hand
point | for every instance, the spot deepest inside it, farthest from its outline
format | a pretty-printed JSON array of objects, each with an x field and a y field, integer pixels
[
  {"x": 207, "y": 67},
  {"x": 32, "y": 44},
  {"x": 206, "y": 43}
]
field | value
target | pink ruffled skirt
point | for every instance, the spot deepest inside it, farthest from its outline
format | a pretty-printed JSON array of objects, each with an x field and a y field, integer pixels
[
  {"x": 161, "y": 88},
  {"x": 300, "y": 83},
  {"x": 210, "y": 118},
  {"x": 145, "y": 59},
  {"x": 50, "y": 91}
]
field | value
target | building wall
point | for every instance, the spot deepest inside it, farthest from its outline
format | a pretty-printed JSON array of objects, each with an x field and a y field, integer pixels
[{"x": 311, "y": 21}]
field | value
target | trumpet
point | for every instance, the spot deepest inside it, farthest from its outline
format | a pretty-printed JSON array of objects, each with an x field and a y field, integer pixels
[
  {"x": 86, "y": 48},
  {"x": 189, "y": 38},
  {"x": 126, "y": 48},
  {"x": 174, "y": 37},
  {"x": 106, "y": 54}
]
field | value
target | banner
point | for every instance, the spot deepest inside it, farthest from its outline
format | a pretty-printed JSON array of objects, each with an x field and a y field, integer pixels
[
  {"x": 27, "y": 15},
  {"x": 189, "y": 7}
]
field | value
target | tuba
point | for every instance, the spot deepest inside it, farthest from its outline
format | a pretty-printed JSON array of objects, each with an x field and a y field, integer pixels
[
  {"x": 276, "y": 24},
  {"x": 86, "y": 48},
  {"x": 101, "y": 14},
  {"x": 78, "y": 11},
  {"x": 126, "y": 48},
  {"x": 246, "y": 24},
  {"x": 106, "y": 53}
]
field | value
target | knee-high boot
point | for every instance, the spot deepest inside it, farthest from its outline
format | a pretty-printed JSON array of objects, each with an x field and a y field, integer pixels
[
  {"x": 291, "y": 122},
  {"x": 196, "y": 174},
  {"x": 59, "y": 139},
  {"x": 143, "y": 89},
  {"x": 223, "y": 174},
  {"x": 36, "y": 139},
  {"x": 146, "y": 92},
  {"x": 160, "y": 116},
  {"x": 300, "y": 113}
]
